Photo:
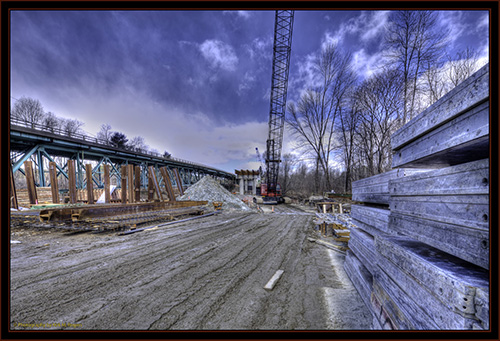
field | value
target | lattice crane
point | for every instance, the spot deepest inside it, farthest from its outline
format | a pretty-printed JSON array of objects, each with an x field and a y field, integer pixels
[{"x": 270, "y": 189}]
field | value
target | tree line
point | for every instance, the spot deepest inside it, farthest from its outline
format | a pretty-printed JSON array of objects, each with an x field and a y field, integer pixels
[
  {"x": 30, "y": 112},
  {"x": 342, "y": 126}
]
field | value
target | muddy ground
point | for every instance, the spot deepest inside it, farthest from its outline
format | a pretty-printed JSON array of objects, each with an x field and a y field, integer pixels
[{"x": 205, "y": 274}]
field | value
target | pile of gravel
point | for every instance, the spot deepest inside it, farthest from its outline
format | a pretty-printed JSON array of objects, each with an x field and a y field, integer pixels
[{"x": 210, "y": 190}]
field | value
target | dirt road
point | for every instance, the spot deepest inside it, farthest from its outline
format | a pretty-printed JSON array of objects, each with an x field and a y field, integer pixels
[{"x": 204, "y": 274}]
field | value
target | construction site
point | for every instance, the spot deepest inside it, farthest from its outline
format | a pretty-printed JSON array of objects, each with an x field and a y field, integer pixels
[{"x": 128, "y": 241}]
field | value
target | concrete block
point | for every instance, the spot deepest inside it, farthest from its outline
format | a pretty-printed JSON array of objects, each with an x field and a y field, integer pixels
[
  {"x": 360, "y": 277},
  {"x": 469, "y": 244},
  {"x": 469, "y": 93},
  {"x": 375, "y": 189},
  {"x": 403, "y": 309},
  {"x": 363, "y": 246},
  {"x": 482, "y": 305},
  {"x": 373, "y": 220},
  {"x": 443, "y": 314},
  {"x": 453, "y": 281},
  {"x": 463, "y": 139}
]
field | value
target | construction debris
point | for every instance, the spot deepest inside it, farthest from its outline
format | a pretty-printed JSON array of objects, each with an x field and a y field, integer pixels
[
  {"x": 210, "y": 190},
  {"x": 272, "y": 282}
]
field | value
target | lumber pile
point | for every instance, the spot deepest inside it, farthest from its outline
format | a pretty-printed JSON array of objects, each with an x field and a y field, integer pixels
[{"x": 419, "y": 254}]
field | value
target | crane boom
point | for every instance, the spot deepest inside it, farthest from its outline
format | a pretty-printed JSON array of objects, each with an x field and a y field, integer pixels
[{"x": 281, "y": 61}]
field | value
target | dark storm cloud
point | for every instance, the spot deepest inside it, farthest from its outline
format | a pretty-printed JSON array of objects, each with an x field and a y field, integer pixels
[
  {"x": 170, "y": 54},
  {"x": 200, "y": 77}
]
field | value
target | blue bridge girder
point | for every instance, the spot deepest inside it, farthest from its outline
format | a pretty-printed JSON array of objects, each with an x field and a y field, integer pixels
[{"x": 39, "y": 145}]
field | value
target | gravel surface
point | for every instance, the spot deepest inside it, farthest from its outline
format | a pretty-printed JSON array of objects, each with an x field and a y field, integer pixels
[{"x": 206, "y": 274}]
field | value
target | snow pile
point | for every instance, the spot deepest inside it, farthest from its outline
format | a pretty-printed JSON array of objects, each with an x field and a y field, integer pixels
[{"x": 210, "y": 190}]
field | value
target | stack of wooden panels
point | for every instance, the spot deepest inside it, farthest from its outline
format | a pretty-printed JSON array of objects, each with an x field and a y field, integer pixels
[
  {"x": 44, "y": 195},
  {"x": 422, "y": 254}
]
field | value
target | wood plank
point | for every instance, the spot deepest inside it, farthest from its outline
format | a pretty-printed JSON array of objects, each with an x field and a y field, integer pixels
[
  {"x": 374, "y": 220},
  {"x": 130, "y": 181},
  {"x": 361, "y": 278},
  {"x": 463, "y": 139},
  {"x": 406, "y": 313},
  {"x": 137, "y": 183},
  {"x": 179, "y": 181},
  {"x": 363, "y": 245},
  {"x": 469, "y": 244},
  {"x": 375, "y": 189},
  {"x": 72, "y": 182},
  {"x": 90, "y": 184},
  {"x": 168, "y": 183},
  {"x": 107, "y": 192},
  {"x": 123, "y": 175},
  {"x": 438, "y": 311},
  {"x": 30, "y": 182},
  {"x": 12, "y": 189},
  {"x": 154, "y": 183},
  {"x": 53, "y": 182},
  {"x": 272, "y": 282},
  {"x": 460, "y": 99},
  {"x": 482, "y": 307},
  {"x": 454, "y": 280}
]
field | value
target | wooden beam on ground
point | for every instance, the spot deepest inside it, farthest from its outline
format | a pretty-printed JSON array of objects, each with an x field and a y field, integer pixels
[
  {"x": 72, "y": 181},
  {"x": 179, "y": 181},
  {"x": 90, "y": 185},
  {"x": 53, "y": 182},
  {"x": 130, "y": 177},
  {"x": 168, "y": 183},
  {"x": 107, "y": 193},
  {"x": 103, "y": 210},
  {"x": 137, "y": 183},
  {"x": 13, "y": 194},
  {"x": 272, "y": 282},
  {"x": 124, "y": 183}
]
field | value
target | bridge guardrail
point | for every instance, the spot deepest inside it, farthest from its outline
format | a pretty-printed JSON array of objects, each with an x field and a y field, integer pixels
[{"x": 90, "y": 138}]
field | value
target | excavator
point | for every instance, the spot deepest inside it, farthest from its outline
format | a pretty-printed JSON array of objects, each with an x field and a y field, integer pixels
[{"x": 270, "y": 190}]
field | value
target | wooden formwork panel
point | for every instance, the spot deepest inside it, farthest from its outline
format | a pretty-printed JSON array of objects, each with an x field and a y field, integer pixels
[
  {"x": 374, "y": 220},
  {"x": 412, "y": 293},
  {"x": 363, "y": 246},
  {"x": 463, "y": 139},
  {"x": 375, "y": 189},
  {"x": 482, "y": 307},
  {"x": 456, "y": 195},
  {"x": 361, "y": 278},
  {"x": 404, "y": 312},
  {"x": 382, "y": 316},
  {"x": 469, "y": 244},
  {"x": 453, "y": 281},
  {"x": 462, "y": 98}
]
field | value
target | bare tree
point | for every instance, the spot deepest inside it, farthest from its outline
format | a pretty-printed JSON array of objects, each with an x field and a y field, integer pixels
[
  {"x": 28, "y": 110},
  {"x": 414, "y": 42},
  {"x": 347, "y": 126},
  {"x": 462, "y": 66},
  {"x": 104, "y": 135},
  {"x": 138, "y": 144},
  {"x": 311, "y": 121},
  {"x": 378, "y": 101},
  {"x": 288, "y": 161},
  {"x": 71, "y": 127},
  {"x": 51, "y": 122}
]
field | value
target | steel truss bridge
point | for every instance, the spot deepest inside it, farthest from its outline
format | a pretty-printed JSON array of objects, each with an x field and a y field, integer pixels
[{"x": 40, "y": 145}]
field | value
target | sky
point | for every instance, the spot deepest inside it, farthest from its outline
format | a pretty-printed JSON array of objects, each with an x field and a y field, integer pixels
[{"x": 193, "y": 83}]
